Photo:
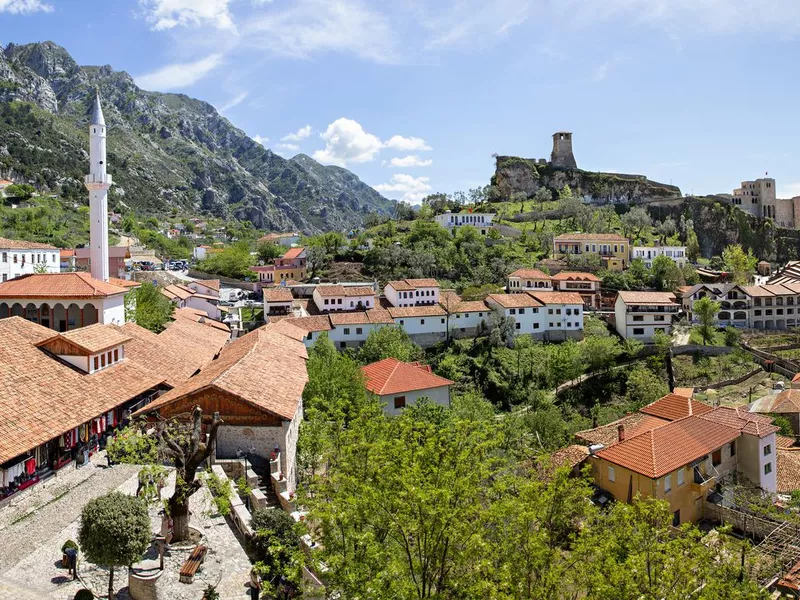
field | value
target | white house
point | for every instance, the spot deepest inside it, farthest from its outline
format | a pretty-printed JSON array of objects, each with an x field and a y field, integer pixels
[
  {"x": 525, "y": 279},
  {"x": 481, "y": 221},
  {"x": 527, "y": 312},
  {"x": 200, "y": 252},
  {"x": 18, "y": 257},
  {"x": 330, "y": 297},
  {"x": 640, "y": 315},
  {"x": 648, "y": 253},
  {"x": 209, "y": 287},
  {"x": 425, "y": 325},
  {"x": 563, "y": 314},
  {"x": 399, "y": 384},
  {"x": 277, "y": 301},
  {"x": 351, "y": 329},
  {"x": 464, "y": 318},
  {"x": 185, "y": 297},
  {"x": 412, "y": 292},
  {"x": 64, "y": 301}
]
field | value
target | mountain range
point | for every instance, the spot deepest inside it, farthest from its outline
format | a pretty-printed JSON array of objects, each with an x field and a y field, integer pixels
[{"x": 165, "y": 151}]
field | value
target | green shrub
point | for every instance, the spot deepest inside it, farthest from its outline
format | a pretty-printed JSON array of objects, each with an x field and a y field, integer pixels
[
  {"x": 221, "y": 491},
  {"x": 69, "y": 544},
  {"x": 84, "y": 594}
]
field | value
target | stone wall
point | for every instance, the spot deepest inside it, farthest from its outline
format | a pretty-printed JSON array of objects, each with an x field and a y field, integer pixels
[{"x": 426, "y": 340}]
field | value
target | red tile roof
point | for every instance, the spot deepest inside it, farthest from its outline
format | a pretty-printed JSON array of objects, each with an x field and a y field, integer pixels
[
  {"x": 575, "y": 276},
  {"x": 556, "y": 297},
  {"x": 278, "y": 294},
  {"x": 399, "y": 312},
  {"x": 514, "y": 300},
  {"x": 746, "y": 422},
  {"x": 787, "y": 470},
  {"x": 294, "y": 252},
  {"x": 660, "y": 451},
  {"x": 412, "y": 284},
  {"x": 358, "y": 290},
  {"x": 23, "y": 245},
  {"x": 123, "y": 283},
  {"x": 376, "y": 315},
  {"x": 647, "y": 298},
  {"x": 391, "y": 376},
  {"x": 314, "y": 323},
  {"x": 265, "y": 368},
  {"x": 530, "y": 274},
  {"x": 673, "y": 407},
  {"x": 632, "y": 425},
  {"x": 590, "y": 236},
  {"x": 58, "y": 285},
  {"x": 212, "y": 284},
  {"x": 92, "y": 339}
]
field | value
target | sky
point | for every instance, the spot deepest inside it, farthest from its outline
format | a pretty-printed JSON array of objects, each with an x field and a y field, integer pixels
[{"x": 415, "y": 96}]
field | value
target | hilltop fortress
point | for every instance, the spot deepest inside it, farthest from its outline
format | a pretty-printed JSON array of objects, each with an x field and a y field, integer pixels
[{"x": 527, "y": 175}]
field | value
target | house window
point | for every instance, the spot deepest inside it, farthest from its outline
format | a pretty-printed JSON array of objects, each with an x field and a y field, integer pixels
[
  {"x": 342, "y": 345},
  {"x": 5, "y": 256},
  {"x": 733, "y": 448},
  {"x": 522, "y": 311},
  {"x": 612, "y": 476},
  {"x": 480, "y": 315},
  {"x": 716, "y": 457},
  {"x": 517, "y": 325},
  {"x": 96, "y": 363},
  {"x": 680, "y": 477},
  {"x": 15, "y": 259},
  {"x": 338, "y": 301},
  {"x": 768, "y": 468},
  {"x": 549, "y": 311},
  {"x": 326, "y": 301},
  {"x": 676, "y": 518},
  {"x": 5, "y": 277},
  {"x": 422, "y": 321},
  {"x": 536, "y": 326},
  {"x": 347, "y": 331},
  {"x": 637, "y": 318},
  {"x": 767, "y": 450},
  {"x": 116, "y": 355},
  {"x": 399, "y": 402},
  {"x": 442, "y": 320},
  {"x": 102, "y": 360},
  {"x": 638, "y": 331},
  {"x": 513, "y": 311},
  {"x": 359, "y": 330},
  {"x": 668, "y": 483},
  {"x": 401, "y": 321}
]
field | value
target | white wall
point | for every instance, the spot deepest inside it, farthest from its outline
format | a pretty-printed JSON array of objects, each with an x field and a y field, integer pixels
[
  {"x": 416, "y": 325},
  {"x": 200, "y": 287},
  {"x": 9, "y": 269},
  {"x": 468, "y": 320},
  {"x": 212, "y": 310},
  {"x": 530, "y": 321},
  {"x": 111, "y": 310},
  {"x": 439, "y": 395},
  {"x": 768, "y": 481},
  {"x": 561, "y": 321},
  {"x": 353, "y": 338},
  {"x": 342, "y": 303},
  {"x": 425, "y": 296}
]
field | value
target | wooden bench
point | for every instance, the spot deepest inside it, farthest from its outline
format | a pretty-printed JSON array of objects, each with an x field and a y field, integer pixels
[{"x": 192, "y": 563}]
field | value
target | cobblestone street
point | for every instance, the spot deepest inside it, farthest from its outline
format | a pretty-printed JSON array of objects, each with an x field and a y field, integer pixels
[{"x": 33, "y": 529}]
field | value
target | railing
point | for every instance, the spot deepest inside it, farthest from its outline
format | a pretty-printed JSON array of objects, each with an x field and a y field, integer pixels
[{"x": 653, "y": 309}]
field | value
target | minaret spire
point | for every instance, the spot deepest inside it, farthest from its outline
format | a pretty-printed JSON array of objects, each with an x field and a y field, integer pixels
[{"x": 97, "y": 182}]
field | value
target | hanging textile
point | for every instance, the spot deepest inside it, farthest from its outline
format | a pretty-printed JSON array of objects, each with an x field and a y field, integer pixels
[
  {"x": 110, "y": 421},
  {"x": 66, "y": 440},
  {"x": 11, "y": 473},
  {"x": 62, "y": 441},
  {"x": 84, "y": 433},
  {"x": 30, "y": 466}
]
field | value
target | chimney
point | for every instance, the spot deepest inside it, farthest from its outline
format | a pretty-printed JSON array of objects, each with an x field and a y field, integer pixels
[{"x": 621, "y": 432}]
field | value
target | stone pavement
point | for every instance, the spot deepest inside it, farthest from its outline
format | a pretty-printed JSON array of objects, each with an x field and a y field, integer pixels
[{"x": 30, "y": 543}]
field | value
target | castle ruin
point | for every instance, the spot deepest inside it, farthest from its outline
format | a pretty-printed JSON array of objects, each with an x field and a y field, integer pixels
[{"x": 562, "y": 151}]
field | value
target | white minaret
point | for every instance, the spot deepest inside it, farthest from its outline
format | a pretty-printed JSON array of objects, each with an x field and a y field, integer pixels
[{"x": 98, "y": 182}]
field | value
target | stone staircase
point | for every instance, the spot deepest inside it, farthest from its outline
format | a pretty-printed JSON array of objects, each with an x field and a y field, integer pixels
[{"x": 260, "y": 466}]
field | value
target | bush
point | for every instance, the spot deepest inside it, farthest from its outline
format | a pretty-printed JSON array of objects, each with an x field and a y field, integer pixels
[
  {"x": 69, "y": 544},
  {"x": 84, "y": 594},
  {"x": 271, "y": 527},
  {"x": 221, "y": 491}
]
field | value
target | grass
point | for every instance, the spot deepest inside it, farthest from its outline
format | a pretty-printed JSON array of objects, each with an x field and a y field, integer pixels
[
  {"x": 696, "y": 338},
  {"x": 698, "y": 371}
]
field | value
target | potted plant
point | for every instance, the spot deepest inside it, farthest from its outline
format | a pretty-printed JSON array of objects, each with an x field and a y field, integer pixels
[{"x": 66, "y": 546}]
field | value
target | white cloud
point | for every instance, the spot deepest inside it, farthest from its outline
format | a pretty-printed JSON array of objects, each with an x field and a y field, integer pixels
[
  {"x": 167, "y": 14},
  {"x": 412, "y": 160},
  {"x": 409, "y": 188},
  {"x": 291, "y": 147},
  {"x": 235, "y": 101},
  {"x": 16, "y": 7},
  {"x": 179, "y": 75},
  {"x": 301, "y": 134},
  {"x": 406, "y": 144},
  {"x": 304, "y": 28},
  {"x": 347, "y": 142},
  {"x": 472, "y": 22},
  {"x": 602, "y": 71},
  {"x": 260, "y": 139},
  {"x": 789, "y": 190}
]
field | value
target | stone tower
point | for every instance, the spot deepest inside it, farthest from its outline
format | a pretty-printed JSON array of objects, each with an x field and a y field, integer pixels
[
  {"x": 562, "y": 150},
  {"x": 98, "y": 182}
]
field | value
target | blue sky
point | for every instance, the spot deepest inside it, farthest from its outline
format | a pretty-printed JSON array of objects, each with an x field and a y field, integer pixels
[{"x": 415, "y": 96}]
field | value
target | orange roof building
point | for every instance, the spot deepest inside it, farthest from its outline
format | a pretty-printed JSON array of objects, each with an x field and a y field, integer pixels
[
  {"x": 525, "y": 279},
  {"x": 399, "y": 384},
  {"x": 412, "y": 292}
]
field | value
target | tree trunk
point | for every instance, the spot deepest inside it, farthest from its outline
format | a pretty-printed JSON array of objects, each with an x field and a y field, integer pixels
[
  {"x": 111, "y": 583},
  {"x": 179, "y": 513}
]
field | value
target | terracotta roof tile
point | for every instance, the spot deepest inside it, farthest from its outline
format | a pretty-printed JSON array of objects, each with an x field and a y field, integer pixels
[
  {"x": 58, "y": 285},
  {"x": 575, "y": 276},
  {"x": 23, "y": 245},
  {"x": 278, "y": 294},
  {"x": 787, "y": 401},
  {"x": 123, "y": 283},
  {"x": 514, "y": 300},
  {"x": 530, "y": 274},
  {"x": 294, "y": 252},
  {"x": 212, "y": 284},
  {"x": 659, "y": 451},
  {"x": 326, "y": 290},
  {"x": 632, "y": 424},
  {"x": 673, "y": 407},
  {"x": 94, "y": 339},
  {"x": 784, "y": 441},
  {"x": 590, "y": 236},
  {"x": 630, "y": 297},
  {"x": 418, "y": 283},
  {"x": 200, "y": 316},
  {"x": 401, "y": 285},
  {"x": 742, "y": 420},
  {"x": 391, "y": 376},
  {"x": 686, "y": 392},
  {"x": 314, "y": 323},
  {"x": 177, "y": 291},
  {"x": 399, "y": 312},
  {"x": 358, "y": 290},
  {"x": 264, "y": 368},
  {"x": 556, "y": 297},
  {"x": 788, "y": 470}
]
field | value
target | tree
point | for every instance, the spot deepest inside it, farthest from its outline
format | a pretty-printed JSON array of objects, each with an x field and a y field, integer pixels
[
  {"x": 276, "y": 548},
  {"x": 543, "y": 195},
  {"x": 267, "y": 251},
  {"x": 632, "y": 347},
  {"x": 666, "y": 229},
  {"x": 635, "y": 221},
  {"x": 502, "y": 330},
  {"x": 706, "y": 311},
  {"x": 114, "y": 531},
  {"x": 148, "y": 307},
  {"x": 233, "y": 261},
  {"x": 20, "y": 191},
  {"x": 644, "y": 387},
  {"x": 389, "y": 341},
  {"x": 692, "y": 246},
  {"x": 600, "y": 352},
  {"x": 335, "y": 382},
  {"x": 740, "y": 264},
  {"x": 665, "y": 273}
]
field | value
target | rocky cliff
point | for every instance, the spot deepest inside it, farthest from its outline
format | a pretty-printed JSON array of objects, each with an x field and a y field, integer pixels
[
  {"x": 513, "y": 175},
  {"x": 164, "y": 150}
]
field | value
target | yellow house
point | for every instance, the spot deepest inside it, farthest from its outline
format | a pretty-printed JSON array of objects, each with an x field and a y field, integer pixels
[
  {"x": 683, "y": 460},
  {"x": 612, "y": 248}
]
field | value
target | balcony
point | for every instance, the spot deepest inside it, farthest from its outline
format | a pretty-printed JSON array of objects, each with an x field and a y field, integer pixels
[
  {"x": 654, "y": 309},
  {"x": 702, "y": 482}
]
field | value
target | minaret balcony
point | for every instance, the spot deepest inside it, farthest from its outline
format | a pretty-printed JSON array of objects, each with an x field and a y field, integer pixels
[{"x": 98, "y": 180}]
